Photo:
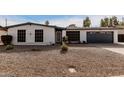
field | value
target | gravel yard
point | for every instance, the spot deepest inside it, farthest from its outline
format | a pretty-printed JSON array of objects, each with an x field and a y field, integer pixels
[{"x": 80, "y": 60}]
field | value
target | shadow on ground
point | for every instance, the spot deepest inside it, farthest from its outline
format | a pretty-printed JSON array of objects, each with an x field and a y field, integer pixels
[
  {"x": 29, "y": 48},
  {"x": 36, "y": 48}
]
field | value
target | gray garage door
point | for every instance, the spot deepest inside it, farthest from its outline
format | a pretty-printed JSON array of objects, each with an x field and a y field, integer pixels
[{"x": 100, "y": 37}]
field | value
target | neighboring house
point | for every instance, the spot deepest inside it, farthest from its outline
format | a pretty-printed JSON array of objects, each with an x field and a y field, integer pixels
[
  {"x": 35, "y": 34},
  {"x": 93, "y": 34},
  {"x": 3, "y": 31}
]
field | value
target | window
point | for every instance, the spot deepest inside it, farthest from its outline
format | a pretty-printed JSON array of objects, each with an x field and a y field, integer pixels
[
  {"x": 73, "y": 35},
  {"x": 38, "y": 35},
  {"x": 21, "y": 35}
]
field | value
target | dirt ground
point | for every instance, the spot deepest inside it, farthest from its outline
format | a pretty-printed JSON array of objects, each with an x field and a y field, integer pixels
[{"x": 48, "y": 61}]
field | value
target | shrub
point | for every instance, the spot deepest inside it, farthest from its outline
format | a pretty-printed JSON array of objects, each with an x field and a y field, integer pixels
[
  {"x": 64, "y": 48},
  {"x": 9, "y": 47},
  {"x": 53, "y": 44},
  {"x": 65, "y": 39},
  {"x": 84, "y": 42},
  {"x": 6, "y": 39},
  {"x": 35, "y": 49}
]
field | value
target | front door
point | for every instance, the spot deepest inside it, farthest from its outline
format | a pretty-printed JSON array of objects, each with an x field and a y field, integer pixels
[{"x": 58, "y": 36}]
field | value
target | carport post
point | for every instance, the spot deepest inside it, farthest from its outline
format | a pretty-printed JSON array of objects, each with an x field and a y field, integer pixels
[{"x": 115, "y": 37}]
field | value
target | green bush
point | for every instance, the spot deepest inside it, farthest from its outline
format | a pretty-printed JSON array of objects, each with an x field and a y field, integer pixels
[
  {"x": 65, "y": 39},
  {"x": 9, "y": 47},
  {"x": 6, "y": 39},
  {"x": 64, "y": 48}
]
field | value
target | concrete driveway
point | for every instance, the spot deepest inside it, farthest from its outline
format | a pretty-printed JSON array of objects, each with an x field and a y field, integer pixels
[{"x": 117, "y": 48}]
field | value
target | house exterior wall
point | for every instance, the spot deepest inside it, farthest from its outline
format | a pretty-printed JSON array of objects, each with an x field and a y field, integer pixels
[
  {"x": 63, "y": 33},
  {"x": 48, "y": 35},
  {"x": 83, "y": 34},
  {"x": 121, "y": 32},
  {"x": 115, "y": 36},
  {"x": 2, "y": 32}
]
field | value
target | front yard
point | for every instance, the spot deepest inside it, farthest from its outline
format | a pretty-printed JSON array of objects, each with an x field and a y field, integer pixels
[{"x": 80, "y": 60}]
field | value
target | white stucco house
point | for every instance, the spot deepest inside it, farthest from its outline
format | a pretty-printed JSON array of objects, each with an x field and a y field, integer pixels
[
  {"x": 39, "y": 34},
  {"x": 34, "y": 34},
  {"x": 3, "y": 31}
]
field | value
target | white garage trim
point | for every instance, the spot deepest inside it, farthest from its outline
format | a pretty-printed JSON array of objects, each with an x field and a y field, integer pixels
[{"x": 83, "y": 34}]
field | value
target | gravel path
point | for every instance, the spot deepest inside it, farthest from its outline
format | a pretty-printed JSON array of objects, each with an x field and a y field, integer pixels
[{"x": 48, "y": 61}]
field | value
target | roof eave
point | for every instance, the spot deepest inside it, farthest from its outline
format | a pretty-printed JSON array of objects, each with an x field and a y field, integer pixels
[{"x": 29, "y": 23}]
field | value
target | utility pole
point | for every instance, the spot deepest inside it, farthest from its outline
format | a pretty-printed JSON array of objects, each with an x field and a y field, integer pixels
[
  {"x": 6, "y": 25},
  {"x": 6, "y": 22}
]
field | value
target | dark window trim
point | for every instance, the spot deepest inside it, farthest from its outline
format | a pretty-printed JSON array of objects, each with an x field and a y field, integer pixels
[
  {"x": 39, "y": 35},
  {"x": 22, "y": 37}
]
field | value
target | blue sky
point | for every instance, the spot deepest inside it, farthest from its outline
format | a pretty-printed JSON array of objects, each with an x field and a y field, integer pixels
[{"x": 59, "y": 20}]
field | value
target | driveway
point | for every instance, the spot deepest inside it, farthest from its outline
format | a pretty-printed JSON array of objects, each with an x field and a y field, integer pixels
[{"x": 115, "y": 48}]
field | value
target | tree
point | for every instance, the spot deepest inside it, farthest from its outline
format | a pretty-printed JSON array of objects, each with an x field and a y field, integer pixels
[
  {"x": 115, "y": 21},
  {"x": 87, "y": 22},
  {"x": 102, "y": 23},
  {"x": 111, "y": 22},
  {"x": 47, "y": 22},
  {"x": 121, "y": 23},
  {"x": 106, "y": 22}
]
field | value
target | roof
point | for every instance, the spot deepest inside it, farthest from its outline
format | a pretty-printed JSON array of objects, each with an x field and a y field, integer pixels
[
  {"x": 59, "y": 28},
  {"x": 3, "y": 28},
  {"x": 30, "y": 23},
  {"x": 94, "y": 28},
  {"x": 67, "y": 28}
]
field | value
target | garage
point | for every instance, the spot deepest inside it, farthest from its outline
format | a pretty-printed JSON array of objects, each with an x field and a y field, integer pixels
[
  {"x": 120, "y": 37},
  {"x": 73, "y": 36},
  {"x": 100, "y": 37}
]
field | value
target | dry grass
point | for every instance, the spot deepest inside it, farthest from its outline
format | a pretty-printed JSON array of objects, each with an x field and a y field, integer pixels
[{"x": 48, "y": 61}]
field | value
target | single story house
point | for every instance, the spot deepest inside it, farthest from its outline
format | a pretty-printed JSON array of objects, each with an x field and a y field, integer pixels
[
  {"x": 39, "y": 34},
  {"x": 3, "y": 31},
  {"x": 35, "y": 34}
]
